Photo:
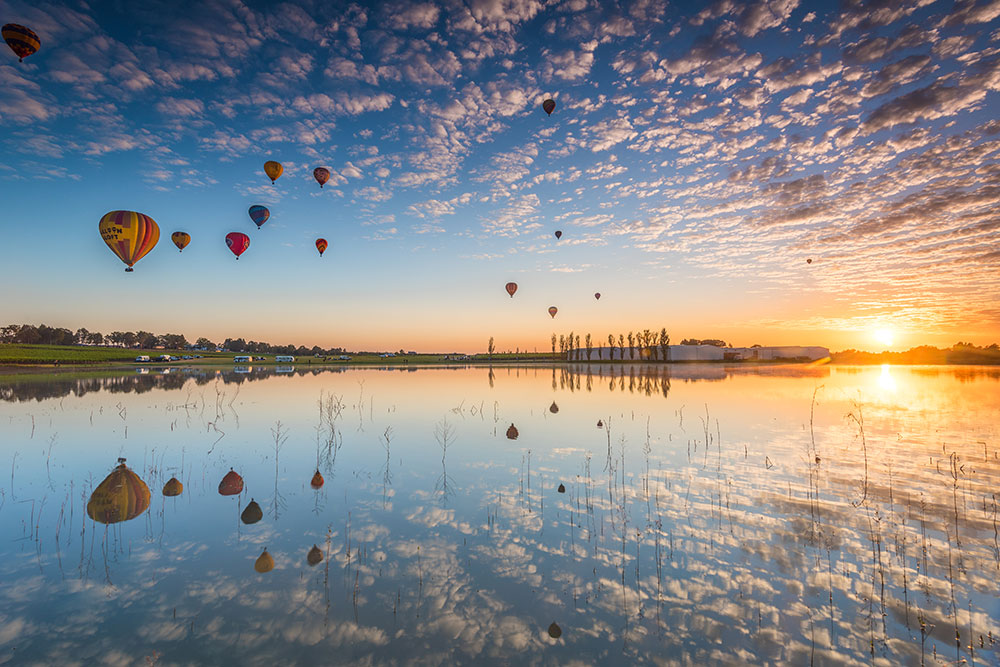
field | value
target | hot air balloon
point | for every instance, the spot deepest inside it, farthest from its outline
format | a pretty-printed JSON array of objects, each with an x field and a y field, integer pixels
[
  {"x": 553, "y": 408},
  {"x": 600, "y": 424},
  {"x": 259, "y": 214},
  {"x": 120, "y": 497},
  {"x": 511, "y": 288},
  {"x": 130, "y": 235},
  {"x": 317, "y": 480},
  {"x": 322, "y": 175},
  {"x": 22, "y": 41},
  {"x": 597, "y": 295},
  {"x": 273, "y": 170},
  {"x": 555, "y": 631},
  {"x": 231, "y": 484},
  {"x": 315, "y": 556},
  {"x": 809, "y": 261},
  {"x": 512, "y": 433},
  {"x": 264, "y": 563},
  {"x": 561, "y": 489},
  {"x": 238, "y": 242},
  {"x": 552, "y": 311},
  {"x": 558, "y": 235},
  {"x": 180, "y": 239},
  {"x": 252, "y": 513},
  {"x": 549, "y": 106},
  {"x": 173, "y": 487},
  {"x": 321, "y": 246}
]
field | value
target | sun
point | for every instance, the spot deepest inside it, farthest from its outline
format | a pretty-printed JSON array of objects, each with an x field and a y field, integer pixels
[{"x": 884, "y": 336}]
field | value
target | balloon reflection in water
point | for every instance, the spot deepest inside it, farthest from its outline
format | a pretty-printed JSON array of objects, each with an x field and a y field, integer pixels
[
  {"x": 120, "y": 497},
  {"x": 553, "y": 408},
  {"x": 264, "y": 563},
  {"x": 252, "y": 513},
  {"x": 512, "y": 433},
  {"x": 315, "y": 556},
  {"x": 173, "y": 487},
  {"x": 561, "y": 489},
  {"x": 317, "y": 480},
  {"x": 231, "y": 484},
  {"x": 555, "y": 631}
]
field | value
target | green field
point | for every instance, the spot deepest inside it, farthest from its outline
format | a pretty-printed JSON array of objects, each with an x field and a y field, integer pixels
[{"x": 17, "y": 354}]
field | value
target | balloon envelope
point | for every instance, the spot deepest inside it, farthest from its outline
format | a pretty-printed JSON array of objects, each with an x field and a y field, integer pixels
[
  {"x": 238, "y": 242},
  {"x": 549, "y": 106},
  {"x": 264, "y": 563},
  {"x": 231, "y": 484},
  {"x": 553, "y": 408},
  {"x": 512, "y": 433},
  {"x": 809, "y": 261},
  {"x": 561, "y": 489},
  {"x": 597, "y": 295},
  {"x": 259, "y": 214},
  {"x": 315, "y": 556},
  {"x": 273, "y": 170},
  {"x": 252, "y": 513},
  {"x": 322, "y": 175},
  {"x": 553, "y": 310},
  {"x": 130, "y": 235},
  {"x": 555, "y": 631},
  {"x": 558, "y": 234},
  {"x": 173, "y": 487},
  {"x": 180, "y": 239},
  {"x": 120, "y": 497},
  {"x": 317, "y": 480},
  {"x": 21, "y": 40},
  {"x": 321, "y": 245},
  {"x": 511, "y": 288}
]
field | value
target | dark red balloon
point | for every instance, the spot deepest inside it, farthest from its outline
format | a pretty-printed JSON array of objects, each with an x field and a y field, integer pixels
[{"x": 238, "y": 242}]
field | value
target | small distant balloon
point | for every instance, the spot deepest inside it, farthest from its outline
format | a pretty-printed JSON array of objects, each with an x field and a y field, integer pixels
[
  {"x": 231, "y": 484},
  {"x": 511, "y": 288},
  {"x": 173, "y": 487},
  {"x": 322, "y": 175},
  {"x": 512, "y": 432},
  {"x": 809, "y": 261},
  {"x": 21, "y": 40},
  {"x": 552, "y": 311},
  {"x": 273, "y": 170},
  {"x": 129, "y": 235},
  {"x": 315, "y": 556},
  {"x": 252, "y": 513},
  {"x": 180, "y": 239},
  {"x": 597, "y": 295},
  {"x": 553, "y": 408},
  {"x": 238, "y": 242},
  {"x": 259, "y": 214},
  {"x": 555, "y": 631},
  {"x": 317, "y": 480},
  {"x": 558, "y": 234},
  {"x": 549, "y": 106},
  {"x": 321, "y": 245},
  {"x": 264, "y": 563},
  {"x": 561, "y": 489}
]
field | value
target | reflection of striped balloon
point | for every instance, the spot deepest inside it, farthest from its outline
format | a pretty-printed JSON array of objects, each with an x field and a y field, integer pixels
[
  {"x": 22, "y": 41},
  {"x": 259, "y": 214},
  {"x": 130, "y": 235}
]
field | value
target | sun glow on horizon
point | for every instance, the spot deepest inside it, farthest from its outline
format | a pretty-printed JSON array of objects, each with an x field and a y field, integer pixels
[{"x": 884, "y": 336}]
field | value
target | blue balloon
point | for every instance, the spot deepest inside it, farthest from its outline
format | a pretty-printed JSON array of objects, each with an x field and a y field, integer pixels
[{"x": 259, "y": 214}]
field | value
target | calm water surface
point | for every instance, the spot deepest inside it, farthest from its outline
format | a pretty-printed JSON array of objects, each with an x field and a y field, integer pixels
[{"x": 682, "y": 515}]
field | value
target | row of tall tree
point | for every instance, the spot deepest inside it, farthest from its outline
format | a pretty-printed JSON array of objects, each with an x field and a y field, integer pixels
[{"x": 657, "y": 344}]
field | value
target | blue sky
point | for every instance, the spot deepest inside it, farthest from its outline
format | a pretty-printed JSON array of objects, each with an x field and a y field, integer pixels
[{"x": 698, "y": 155}]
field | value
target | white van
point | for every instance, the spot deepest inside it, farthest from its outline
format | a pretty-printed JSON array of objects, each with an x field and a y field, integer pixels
[
  {"x": 284, "y": 358},
  {"x": 142, "y": 357},
  {"x": 242, "y": 360}
]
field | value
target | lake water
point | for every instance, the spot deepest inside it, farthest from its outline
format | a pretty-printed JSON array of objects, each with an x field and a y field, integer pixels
[{"x": 665, "y": 515}]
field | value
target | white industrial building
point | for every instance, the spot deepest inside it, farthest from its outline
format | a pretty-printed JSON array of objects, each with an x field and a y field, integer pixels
[{"x": 702, "y": 353}]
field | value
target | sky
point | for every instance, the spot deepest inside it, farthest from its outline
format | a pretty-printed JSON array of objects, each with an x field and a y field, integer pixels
[{"x": 698, "y": 155}]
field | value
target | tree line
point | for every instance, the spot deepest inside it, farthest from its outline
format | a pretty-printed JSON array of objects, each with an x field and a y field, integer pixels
[
  {"x": 30, "y": 334},
  {"x": 658, "y": 344}
]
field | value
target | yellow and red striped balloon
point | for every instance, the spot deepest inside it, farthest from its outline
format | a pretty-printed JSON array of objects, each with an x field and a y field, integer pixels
[
  {"x": 120, "y": 497},
  {"x": 22, "y": 41},
  {"x": 130, "y": 235}
]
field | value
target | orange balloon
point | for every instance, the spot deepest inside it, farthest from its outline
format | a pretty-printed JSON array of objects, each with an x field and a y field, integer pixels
[
  {"x": 273, "y": 170},
  {"x": 231, "y": 484},
  {"x": 317, "y": 480},
  {"x": 180, "y": 239}
]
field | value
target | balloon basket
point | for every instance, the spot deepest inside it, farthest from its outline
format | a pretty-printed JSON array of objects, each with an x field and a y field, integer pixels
[{"x": 129, "y": 270}]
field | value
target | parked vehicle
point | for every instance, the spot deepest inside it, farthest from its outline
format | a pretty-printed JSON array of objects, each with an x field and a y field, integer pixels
[{"x": 142, "y": 358}]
